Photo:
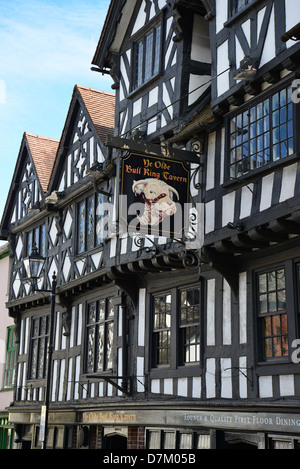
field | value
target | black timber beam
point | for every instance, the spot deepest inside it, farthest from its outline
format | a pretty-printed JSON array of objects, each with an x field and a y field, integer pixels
[{"x": 152, "y": 149}]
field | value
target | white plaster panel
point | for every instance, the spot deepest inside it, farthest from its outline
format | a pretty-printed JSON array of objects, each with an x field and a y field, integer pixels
[
  {"x": 228, "y": 208},
  {"x": 288, "y": 182},
  {"x": 221, "y": 14},
  {"x": 269, "y": 51},
  {"x": 243, "y": 378},
  {"x": 210, "y": 165},
  {"x": 265, "y": 386},
  {"x": 211, "y": 286},
  {"x": 210, "y": 217},
  {"x": 182, "y": 387},
  {"x": 142, "y": 317},
  {"x": 222, "y": 65},
  {"x": 226, "y": 313},
  {"x": 246, "y": 201},
  {"x": 226, "y": 378},
  {"x": 243, "y": 307},
  {"x": 210, "y": 378},
  {"x": 196, "y": 387},
  {"x": 266, "y": 192},
  {"x": 287, "y": 385}
]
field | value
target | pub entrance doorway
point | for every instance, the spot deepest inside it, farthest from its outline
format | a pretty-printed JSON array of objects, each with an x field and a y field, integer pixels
[{"x": 115, "y": 442}]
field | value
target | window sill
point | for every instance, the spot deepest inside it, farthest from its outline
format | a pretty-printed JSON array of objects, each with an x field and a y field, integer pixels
[
  {"x": 264, "y": 368},
  {"x": 234, "y": 18},
  {"x": 98, "y": 374},
  {"x": 164, "y": 371},
  {"x": 264, "y": 170},
  {"x": 89, "y": 252}
]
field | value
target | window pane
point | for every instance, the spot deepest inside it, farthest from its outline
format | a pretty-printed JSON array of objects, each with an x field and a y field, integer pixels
[
  {"x": 90, "y": 222},
  {"x": 99, "y": 219},
  {"x": 109, "y": 345},
  {"x": 189, "y": 322},
  {"x": 100, "y": 347},
  {"x": 90, "y": 351},
  {"x": 149, "y": 56},
  {"x": 38, "y": 350},
  {"x": 100, "y": 335},
  {"x": 81, "y": 227}
]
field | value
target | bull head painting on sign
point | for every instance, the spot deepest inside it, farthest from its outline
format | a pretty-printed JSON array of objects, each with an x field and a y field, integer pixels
[
  {"x": 158, "y": 198},
  {"x": 154, "y": 195}
]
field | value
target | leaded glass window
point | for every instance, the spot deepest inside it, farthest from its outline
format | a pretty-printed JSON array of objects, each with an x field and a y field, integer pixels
[
  {"x": 237, "y": 5},
  {"x": 100, "y": 335},
  {"x": 162, "y": 328},
  {"x": 90, "y": 223},
  {"x": 176, "y": 327},
  {"x": 273, "y": 313},
  {"x": 262, "y": 134},
  {"x": 37, "y": 238},
  {"x": 190, "y": 324},
  {"x": 39, "y": 343},
  {"x": 147, "y": 57}
]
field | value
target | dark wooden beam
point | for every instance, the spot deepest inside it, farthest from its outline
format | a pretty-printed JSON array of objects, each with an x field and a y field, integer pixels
[{"x": 152, "y": 149}]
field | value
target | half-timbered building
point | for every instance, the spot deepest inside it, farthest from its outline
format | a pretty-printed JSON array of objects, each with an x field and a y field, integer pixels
[{"x": 171, "y": 219}]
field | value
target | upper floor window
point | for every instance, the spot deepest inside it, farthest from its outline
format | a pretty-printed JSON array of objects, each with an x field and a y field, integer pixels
[
  {"x": 90, "y": 226},
  {"x": 100, "y": 335},
  {"x": 262, "y": 134},
  {"x": 37, "y": 238},
  {"x": 237, "y": 5},
  {"x": 11, "y": 352},
  {"x": 38, "y": 347},
  {"x": 147, "y": 57},
  {"x": 176, "y": 320}
]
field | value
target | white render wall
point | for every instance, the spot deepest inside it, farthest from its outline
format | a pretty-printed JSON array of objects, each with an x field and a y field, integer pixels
[{"x": 5, "y": 321}]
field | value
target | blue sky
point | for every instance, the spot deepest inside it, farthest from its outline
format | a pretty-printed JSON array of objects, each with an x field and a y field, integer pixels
[{"x": 46, "y": 47}]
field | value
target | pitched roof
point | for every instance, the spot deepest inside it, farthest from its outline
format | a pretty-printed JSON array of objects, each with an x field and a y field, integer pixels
[
  {"x": 43, "y": 151},
  {"x": 101, "y": 108}
]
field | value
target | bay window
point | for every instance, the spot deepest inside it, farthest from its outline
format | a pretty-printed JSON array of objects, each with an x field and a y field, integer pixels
[{"x": 262, "y": 133}]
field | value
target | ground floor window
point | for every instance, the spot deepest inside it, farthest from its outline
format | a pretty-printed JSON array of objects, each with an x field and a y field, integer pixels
[
  {"x": 278, "y": 306},
  {"x": 38, "y": 347},
  {"x": 177, "y": 439},
  {"x": 6, "y": 433}
]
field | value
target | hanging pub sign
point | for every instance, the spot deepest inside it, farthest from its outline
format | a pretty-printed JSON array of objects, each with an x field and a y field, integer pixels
[{"x": 154, "y": 195}]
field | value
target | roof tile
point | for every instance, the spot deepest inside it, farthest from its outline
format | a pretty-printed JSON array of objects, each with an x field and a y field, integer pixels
[
  {"x": 101, "y": 107},
  {"x": 43, "y": 151}
]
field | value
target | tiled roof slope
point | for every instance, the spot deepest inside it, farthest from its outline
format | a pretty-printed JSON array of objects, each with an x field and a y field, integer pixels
[
  {"x": 101, "y": 108},
  {"x": 43, "y": 151}
]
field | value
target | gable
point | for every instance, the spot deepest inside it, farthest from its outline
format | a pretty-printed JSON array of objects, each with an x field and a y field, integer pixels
[
  {"x": 31, "y": 178},
  {"x": 90, "y": 119}
]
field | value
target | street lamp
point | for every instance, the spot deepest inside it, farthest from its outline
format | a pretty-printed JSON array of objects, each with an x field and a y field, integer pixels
[{"x": 34, "y": 265}]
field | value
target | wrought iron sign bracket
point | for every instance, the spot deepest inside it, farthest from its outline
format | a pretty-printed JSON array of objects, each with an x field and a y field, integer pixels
[
  {"x": 109, "y": 379},
  {"x": 151, "y": 149}
]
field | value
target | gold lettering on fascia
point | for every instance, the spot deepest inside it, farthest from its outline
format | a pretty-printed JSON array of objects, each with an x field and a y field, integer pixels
[{"x": 115, "y": 417}]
